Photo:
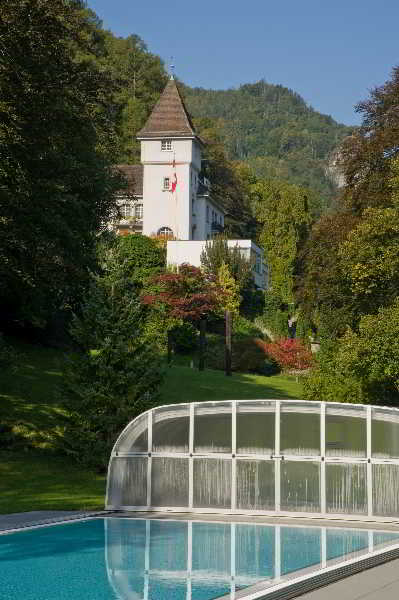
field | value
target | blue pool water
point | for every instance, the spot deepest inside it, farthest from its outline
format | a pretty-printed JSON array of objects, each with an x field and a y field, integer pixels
[{"x": 137, "y": 559}]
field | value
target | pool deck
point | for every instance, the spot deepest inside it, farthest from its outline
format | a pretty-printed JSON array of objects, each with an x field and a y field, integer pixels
[{"x": 377, "y": 583}]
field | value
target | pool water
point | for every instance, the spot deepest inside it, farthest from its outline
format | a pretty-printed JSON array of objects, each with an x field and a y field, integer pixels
[{"x": 138, "y": 559}]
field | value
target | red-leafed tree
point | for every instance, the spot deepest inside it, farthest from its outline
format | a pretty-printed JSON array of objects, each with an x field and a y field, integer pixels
[
  {"x": 187, "y": 294},
  {"x": 290, "y": 354}
]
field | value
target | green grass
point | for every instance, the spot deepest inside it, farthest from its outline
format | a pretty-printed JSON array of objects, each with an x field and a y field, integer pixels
[
  {"x": 184, "y": 384},
  {"x": 34, "y": 477}
]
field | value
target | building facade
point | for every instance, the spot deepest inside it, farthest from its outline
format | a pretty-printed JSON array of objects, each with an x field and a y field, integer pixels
[{"x": 168, "y": 195}]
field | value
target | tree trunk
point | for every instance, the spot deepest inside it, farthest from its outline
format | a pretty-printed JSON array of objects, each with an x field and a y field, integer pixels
[
  {"x": 227, "y": 356},
  {"x": 170, "y": 347},
  {"x": 201, "y": 365}
]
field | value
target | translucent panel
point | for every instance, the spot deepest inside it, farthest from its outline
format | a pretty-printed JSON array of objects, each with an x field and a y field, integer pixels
[
  {"x": 346, "y": 431},
  {"x": 300, "y": 428},
  {"x": 255, "y": 427},
  {"x": 211, "y": 549},
  {"x": 300, "y": 548},
  {"x": 170, "y": 429},
  {"x": 386, "y": 490},
  {"x": 169, "y": 482},
  {"x": 385, "y": 433},
  {"x": 300, "y": 486},
  {"x": 345, "y": 541},
  {"x": 255, "y": 485},
  {"x": 135, "y": 436},
  {"x": 254, "y": 551},
  {"x": 212, "y": 483},
  {"x": 212, "y": 427},
  {"x": 128, "y": 482},
  {"x": 346, "y": 488}
]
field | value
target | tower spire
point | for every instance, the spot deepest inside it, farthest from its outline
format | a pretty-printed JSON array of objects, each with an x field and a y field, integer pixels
[{"x": 172, "y": 68}]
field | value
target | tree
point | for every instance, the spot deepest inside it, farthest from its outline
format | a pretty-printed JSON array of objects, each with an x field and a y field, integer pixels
[
  {"x": 217, "y": 252},
  {"x": 366, "y": 155},
  {"x": 283, "y": 210},
  {"x": 321, "y": 288},
  {"x": 116, "y": 374},
  {"x": 230, "y": 299},
  {"x": 187, "y": 294},
  {"x": 369, "y": 258},
  {"x": 56, "y": 151}
]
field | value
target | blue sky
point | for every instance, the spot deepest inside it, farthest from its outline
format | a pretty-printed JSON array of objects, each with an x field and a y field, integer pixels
[{"x": 332, "y": 52}]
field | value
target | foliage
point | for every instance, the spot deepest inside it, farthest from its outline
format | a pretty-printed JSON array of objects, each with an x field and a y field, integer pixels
[
  {"x": 283, "y": 210},
  {"x": 370, "y": 259},
  {"x": 290, "y": 354},
  {"x": 273, "y": 129},
  {"x": 133, "y": 258},
  {"x": 56, "y": 151},
  {"x": 217, "y": 252},
  {"x": 248, "y": 356},
  {"x": 141, "y": 77},
  {"x": 186, "y": 294},
  {"x": 322, "y": 290},
  {"x": 184, "y": 337},
  {"x": 275, "y": 315},
  {"x": 114, "y": 378},
  {"x": 366, "y": 155},
  {"x": 230, "y": 299}
]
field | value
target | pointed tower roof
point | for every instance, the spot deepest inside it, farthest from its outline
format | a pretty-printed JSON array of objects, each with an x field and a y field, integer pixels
[{"x": 169, "y": 117}]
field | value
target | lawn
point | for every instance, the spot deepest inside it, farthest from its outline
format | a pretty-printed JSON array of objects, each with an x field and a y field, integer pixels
[{"x": 34, "y": 477}]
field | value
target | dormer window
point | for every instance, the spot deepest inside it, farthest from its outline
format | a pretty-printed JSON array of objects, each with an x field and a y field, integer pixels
[
  {"x": 166, "y": 183},
  {"x": 166, "y": 145}
]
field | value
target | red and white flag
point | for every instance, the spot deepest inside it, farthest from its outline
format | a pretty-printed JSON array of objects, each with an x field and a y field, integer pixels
[{"x": 174, "y": 180}]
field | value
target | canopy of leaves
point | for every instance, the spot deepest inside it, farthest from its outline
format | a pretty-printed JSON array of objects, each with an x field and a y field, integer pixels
[
  {"x": 186, "y": 294},
  {"x": 366, "y": 155},
  {"x": 283, "y": 210},
  {"x": 56, "y": 151}
]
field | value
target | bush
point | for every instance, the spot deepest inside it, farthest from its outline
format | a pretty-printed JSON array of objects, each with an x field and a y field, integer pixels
[
  {"x": 184, "y": 338},
  {"x": 275, "y": 315},
  {"x": 247, "y": 356},
  {"x": 289, "y": 354}
]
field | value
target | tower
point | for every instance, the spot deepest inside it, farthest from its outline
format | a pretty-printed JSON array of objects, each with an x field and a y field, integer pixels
[{"x": 171, "y": 159}]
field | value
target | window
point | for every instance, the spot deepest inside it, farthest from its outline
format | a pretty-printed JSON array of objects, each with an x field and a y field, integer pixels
[
  {"x": 126, "y": 210},
  {"x": 138, "y": 211},
  {"x": 165, "y": 232},
  {"x": 166, "y": 145},
  {"x": 166, "y": 183}
]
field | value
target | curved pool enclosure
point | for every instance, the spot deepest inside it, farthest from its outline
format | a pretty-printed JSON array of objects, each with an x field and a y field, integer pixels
[{"x": 284, "y": 457}]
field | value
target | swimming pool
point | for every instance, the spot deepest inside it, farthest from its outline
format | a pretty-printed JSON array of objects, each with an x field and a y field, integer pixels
[{"x": 139, "y": 559}]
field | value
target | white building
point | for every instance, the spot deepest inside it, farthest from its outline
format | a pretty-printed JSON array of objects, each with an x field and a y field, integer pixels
[{"x": 168, "y": 195}]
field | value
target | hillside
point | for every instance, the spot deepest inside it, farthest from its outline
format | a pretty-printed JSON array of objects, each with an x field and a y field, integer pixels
[{"x": 273, "y": 129}]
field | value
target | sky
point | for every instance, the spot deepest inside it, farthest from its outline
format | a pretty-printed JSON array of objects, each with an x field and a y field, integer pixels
[{"x": 332, "y": 52}]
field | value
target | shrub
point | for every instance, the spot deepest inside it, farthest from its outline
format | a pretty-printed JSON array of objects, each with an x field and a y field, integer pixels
[
  {"x": 247, "y": 356},
  {"x": 289, "y": 354},
  {"x": 185, "y": 338},
  {"x": 8, "y": 356}
]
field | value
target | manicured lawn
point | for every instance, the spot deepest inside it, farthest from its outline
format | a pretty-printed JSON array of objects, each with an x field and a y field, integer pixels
[
  {"x": 184, "y": 384},
  {"x": 34, "y": 477}
]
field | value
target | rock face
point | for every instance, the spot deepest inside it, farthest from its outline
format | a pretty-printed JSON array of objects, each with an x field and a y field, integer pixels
[{"x": 333, "y": 170}]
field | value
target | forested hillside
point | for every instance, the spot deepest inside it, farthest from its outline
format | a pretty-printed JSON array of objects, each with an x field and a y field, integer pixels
[{"x": 273, "y": 129}]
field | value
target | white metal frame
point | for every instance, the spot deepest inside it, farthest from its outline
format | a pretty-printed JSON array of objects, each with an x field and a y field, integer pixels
[{"x": 323, "y": 459}]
